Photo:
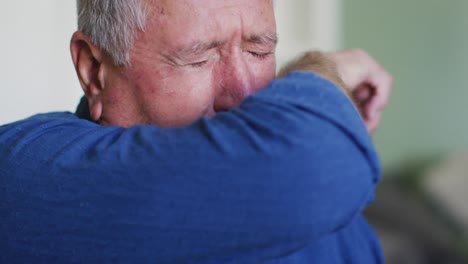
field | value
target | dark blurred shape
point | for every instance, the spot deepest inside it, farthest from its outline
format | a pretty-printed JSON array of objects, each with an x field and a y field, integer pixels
[{"x": 413, "y": 226}]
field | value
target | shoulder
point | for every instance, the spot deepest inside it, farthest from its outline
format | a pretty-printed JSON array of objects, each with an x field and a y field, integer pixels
[
  {"x": 39, "y": 124},
  {"x": 41, "y": 119},
  {"x": 42, "y": 130}
]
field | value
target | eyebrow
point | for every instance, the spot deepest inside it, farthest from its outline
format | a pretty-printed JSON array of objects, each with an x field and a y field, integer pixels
[
  {"x": 269, "y": 38},
  {"x": 199, "y": 47}
]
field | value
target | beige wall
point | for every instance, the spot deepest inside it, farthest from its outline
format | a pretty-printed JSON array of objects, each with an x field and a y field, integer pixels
[
  {"x": 36, "y": 74},
  {"x": 308, "y": 24}
]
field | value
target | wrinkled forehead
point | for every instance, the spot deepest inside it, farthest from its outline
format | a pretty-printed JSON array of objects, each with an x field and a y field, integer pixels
[
  {"x": 187, "y": 15},
  {"x": 161, "y": 4}
]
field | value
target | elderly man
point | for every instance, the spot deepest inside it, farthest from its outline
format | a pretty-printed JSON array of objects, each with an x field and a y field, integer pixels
[{"x": 194, "y": 153}]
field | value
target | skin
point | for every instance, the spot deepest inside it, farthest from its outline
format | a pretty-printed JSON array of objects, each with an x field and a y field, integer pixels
[
  {"x": 368, "y": 82},
  {"x": 360, "y": 77},
  {"x": 195, "y": 58}
]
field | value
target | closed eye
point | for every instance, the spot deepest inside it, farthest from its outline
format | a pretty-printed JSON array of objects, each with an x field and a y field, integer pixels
[
  {"x": 260, "y": 55},
  {"x": 199, "y": 64}
]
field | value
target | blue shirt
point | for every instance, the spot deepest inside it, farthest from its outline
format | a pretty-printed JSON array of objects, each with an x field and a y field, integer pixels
[{"x": 283, "y": 178}]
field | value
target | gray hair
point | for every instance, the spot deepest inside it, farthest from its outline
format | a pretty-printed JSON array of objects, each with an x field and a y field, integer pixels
[{"x": 112, "y": 25}]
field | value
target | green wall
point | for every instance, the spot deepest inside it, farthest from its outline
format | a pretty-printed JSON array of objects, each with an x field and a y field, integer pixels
[{"x": 424, "y": 44}]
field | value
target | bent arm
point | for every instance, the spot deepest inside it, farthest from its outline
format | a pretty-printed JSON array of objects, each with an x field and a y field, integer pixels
[{"x": 291, "y": 164}]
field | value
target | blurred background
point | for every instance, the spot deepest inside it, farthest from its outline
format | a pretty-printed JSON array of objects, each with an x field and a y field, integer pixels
[{"x": 421, "y": 211}]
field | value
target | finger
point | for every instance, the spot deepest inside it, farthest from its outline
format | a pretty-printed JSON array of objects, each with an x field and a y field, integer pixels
[
  {"x": 383, "y": 83},
  {"x": 362, "y": 93},
  {"x": 373, "y": 123}
]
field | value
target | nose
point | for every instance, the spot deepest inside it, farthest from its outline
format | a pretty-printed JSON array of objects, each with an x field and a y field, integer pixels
[{"x": 236, "y": 82}]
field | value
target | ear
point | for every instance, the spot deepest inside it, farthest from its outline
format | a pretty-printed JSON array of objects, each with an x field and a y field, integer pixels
[{"x": 87, "y": 58}]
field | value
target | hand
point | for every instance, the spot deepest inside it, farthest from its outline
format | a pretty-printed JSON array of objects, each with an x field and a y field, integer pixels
[
  {"x": 319, "y": 63},
  {"x": 369, "y": 83}
]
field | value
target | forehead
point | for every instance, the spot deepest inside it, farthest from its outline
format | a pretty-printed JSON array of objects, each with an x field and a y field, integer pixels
[
  {"x": 169, "y": 5},
  {"x": 187, "y": 13},
  {"x": 176, "y": 24}
]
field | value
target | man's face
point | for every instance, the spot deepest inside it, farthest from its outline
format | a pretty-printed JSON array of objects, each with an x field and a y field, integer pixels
[{"x": 196, "y": 58}]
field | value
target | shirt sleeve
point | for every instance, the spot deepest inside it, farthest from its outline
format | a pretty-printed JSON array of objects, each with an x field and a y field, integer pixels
[{"x": 291, "y": 164}]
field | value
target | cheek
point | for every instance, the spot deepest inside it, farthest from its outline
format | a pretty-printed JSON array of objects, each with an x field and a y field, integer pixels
[
  {"x": 182, "y": 98},
  {"x": 167, "y": 95},
  {"x": 264, "y": 73},
  {"x": 196, "y": 89}
]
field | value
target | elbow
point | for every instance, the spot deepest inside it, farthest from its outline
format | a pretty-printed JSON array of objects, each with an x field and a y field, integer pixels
[{"x": 326, "y": 184}]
